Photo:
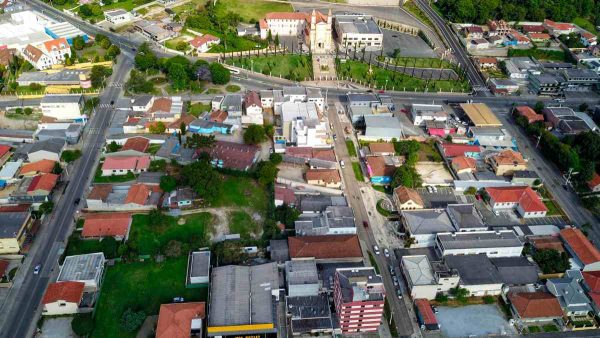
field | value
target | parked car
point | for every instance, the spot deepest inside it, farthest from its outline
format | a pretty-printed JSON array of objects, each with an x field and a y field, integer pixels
[
  {"x": 37, "y": 269},
  {"x": 178, "y": 300},
  {"x": 365, "y": 224},
  {"x": 386, "y": 252},
  {"x": 342, "y": 164},
  {"x": 376, "y": 249}
]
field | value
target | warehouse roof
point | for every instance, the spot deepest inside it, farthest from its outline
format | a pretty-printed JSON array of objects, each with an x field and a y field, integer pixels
[{"x": 480, "y": 114}]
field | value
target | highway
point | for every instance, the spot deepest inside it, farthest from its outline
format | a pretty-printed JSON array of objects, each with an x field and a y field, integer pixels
[{"x": 21, "y": 309}]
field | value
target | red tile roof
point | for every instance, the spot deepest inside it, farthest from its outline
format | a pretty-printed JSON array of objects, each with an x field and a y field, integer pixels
[
  {"x": 381, "y": 147},
  {"x": 583, "y": 248},
  {"x": 595, "y": 296},
  {"x": 378, "y": 167},
  {"x": 234, "y": 155},
  {"x": 138, "y": 194},
  {"x": 67, "y": 291},
  {"x": 426, "y": 311},
  {"x": 483, "y": 60},
  {"x": 33, "y": 53},
  {"x": 199, "y": 41},
  {"x": 56, "y": 44},
  {"x": 463, "y": 162},
  {"x": 453, "y": 149},
  {"x": 3, "y": 266},
  {"x": 535, "y": 304},
  {"x": 251, "y": 98},
  {"x": 303, "y": 152},
  {"x": 558, "y": 25},
  {"x": 324, "y": 154},
  {"x": 218, "y": 116},
  {"x": 524, "y": 196},
  {"x": 162, "y": 104},
  {"x": 529, "y": 114},
  {"x": 137, "y": 143},
  {"x": 185, "y": 119},
  {"x": 547, "y": 242},
  {"x": 592, "y": 279},
  {"x": 263, "y": 24},
  {"x": 509, "y": 157},
  {"x": 533, "y": 28},
  {"x": 325, "y": 175},
  {"x": 4, "y": 149},
  {"x": 405, "y": 194},
  {"x": 100, "y": 191},
  {"x": 325, "y": 247},
  {"x": 175, "y": 320},
  {"x": 285, "y": 194},
  {"x": 126, "y": 163},
  {"x": 539, "y": 36},
  {"x": 594, "y": 182},
  {"x": 42, "y": 166},
  {"x": 44, "y": 182},
  {"x": 107, "y": 224}
]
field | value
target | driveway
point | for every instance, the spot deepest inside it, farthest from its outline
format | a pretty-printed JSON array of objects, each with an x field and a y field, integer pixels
[
  {"x": 473, "y": 320},
  {"x": 59, "y": 327}
]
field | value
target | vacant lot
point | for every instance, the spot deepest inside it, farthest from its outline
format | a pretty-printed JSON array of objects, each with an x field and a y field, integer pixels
[
  {"x": 242, "y": 192},
  {"x": 295, "y": 67},
  {"x": 251, "y": 10},
  {"x": 241, "y": 223},
  {"x": 473, "y": 320}
]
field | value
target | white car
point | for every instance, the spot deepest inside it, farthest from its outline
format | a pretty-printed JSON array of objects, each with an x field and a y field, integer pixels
[
  {"x": 386, "y": 252},
  {"x": 376, "y": 249},
  {"x": 37, "y": 269}
]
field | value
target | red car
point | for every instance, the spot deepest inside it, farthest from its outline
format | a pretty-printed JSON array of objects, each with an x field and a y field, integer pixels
[{"x": 366, "y": 225}]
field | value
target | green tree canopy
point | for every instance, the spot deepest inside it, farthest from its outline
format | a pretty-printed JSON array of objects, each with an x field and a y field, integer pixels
[
  {"x": 407, "y": 176},
  {"x": 552, "y": 261},
  {"x": 203, "y": 178},
  {"x": 254, "y": 134},
  {"x": 220, "y": 75},
  {"x": 168, "y": 183}
]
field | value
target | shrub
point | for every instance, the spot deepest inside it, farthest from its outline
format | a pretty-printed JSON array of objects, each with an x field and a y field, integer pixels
[
  {"x": 489, "y": 299},
  {"x": 82, "y": 324},
  {"x": 132, "y": 320}
]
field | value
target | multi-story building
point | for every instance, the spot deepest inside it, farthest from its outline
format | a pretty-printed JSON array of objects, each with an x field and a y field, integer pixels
[
  {"x": 359, "y": 297},
  {"x": 118, "y": 17},
  {"x": 62, "y": 107},
  {"x": 47, "y": 54},
  {"x": 357, "y": 31},
  {"x": 427, "y": 279}
]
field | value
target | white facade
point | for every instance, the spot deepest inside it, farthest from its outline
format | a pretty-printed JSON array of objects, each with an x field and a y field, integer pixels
[
  {"x": 60, "y": 307},
  {"x": 502, "y": 243},
  {"x": 356, "y": 30},
  {"x": 310, "y": 133},
  {"x": 118, "y": 17},
  {"x": 481, "y": 290},
  {"x": 62, "y": 107},
  {"x": 427, "y": 112},
  {"x": 43, "y": 155},
  {"x": 284, "y": 24}
]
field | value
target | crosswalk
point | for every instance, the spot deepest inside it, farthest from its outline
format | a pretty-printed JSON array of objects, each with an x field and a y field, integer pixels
[
  {"x": 105, "y": 105},
  {"x": 94, "y": 131},
  {"x": 115, "y": 84}
]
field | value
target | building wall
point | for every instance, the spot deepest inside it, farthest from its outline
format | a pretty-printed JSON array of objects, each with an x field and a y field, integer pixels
[
  {"x": 41, "y": 155},
  {"x": 484, "y": 289},
  {"x": 62, "y": 111},
  {"x": 59, "y": 308},
  {"x": 9, "y": 246},
  {"x": 530, "y": 214},
  {"x": 490, "y": 252},
  {"x": 508, "y": 169},
  {"x": 423, "y": 241}
]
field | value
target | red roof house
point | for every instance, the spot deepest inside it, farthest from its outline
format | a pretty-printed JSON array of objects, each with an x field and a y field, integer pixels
[
  {"x": 284, "y": 195},
  {"x": 581, "y": 248},
  {"x": 524, "y": 199},
  {"x": 232, "y": 155},
  {"x": 3, "y": 267},
  {"x": 180, "y": 320},
  {"x": 450, "y": 150},
  {"x": 62, "y": 298},
  {"x": 463, "y": 164},
  {"x": 528, "y": 113},
  {"x": 594, "y": 183},
  {"x": 137, "y": 143},
  {"x": 118, "y": 165},
  {"x": 40, "y": 167},
  {"x": 337, "y": 248},
  {"x": 114, "y": 224},
  {"x": 529, "y": 306},
  {"x": 203, "y": 43},
  {"x": 42, "y": 184}
]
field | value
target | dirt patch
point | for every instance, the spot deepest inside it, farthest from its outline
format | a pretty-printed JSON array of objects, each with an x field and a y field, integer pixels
[
  {"x": 220, "y": 224},
  {"x": 5, "y": 122}
]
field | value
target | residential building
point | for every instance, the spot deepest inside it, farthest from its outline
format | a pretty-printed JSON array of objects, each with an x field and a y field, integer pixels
[
  {"x": 311, "y": 204},
  {"x": 62, "y": 106},
  {"x": 423, "y": 225},
  {"x": 477, "y": 274},
  {"x": 529, "y": 114},
  {"x": 557, "y": 29},
  {"x": 36, "y": 168},
  {"x": 203, "y": 43},
  {"x": 507, "y": 162},
  {"x": 357, "y": 30},
  {"x": 588, "y": 39},
  {"x": 284, "y": 195},
  {"x": 465, "y": 217},
  {"x": 473, "y": 32},
  {"x": 526, "y": 177},
  {"x": 383, "y": 128},
  {"x": 335, "y": 220},
  {"x": 499, "y": 27},
  {"x": 47, "y": 54},
  {"x": 329, "y": 178},
  {"x": 14, "y": 228},
  {"x": 87, "y": 268},
  {"x": 253, "y": 112},
  {"x": 450, "y": 150},
  {"x": 99, "y": 225},
  {"x": 478, "y": 44},
  {"x": 593, "y": 184},
  {"x": 362, "y": 100},
  {"x": 126, "y": 164},
  {"x": 302, "y": 278},
  {"x": 570, "y": 293},
  {"x": 407, "y": 199},
  {"x": 463, "y": 164},
  {"x": 503, "y": 243},
  {"x": 62, "y": 298},
  {"x": 198, "y": 268},
  {"x": 181, "y": 320},
  {"x": 535, "y": 307},
  {"x": 427, "y": 112},
  {"x": 309, "y": 315},
  {"x": 522, "y": 67},
  {"x": 135, "y": 197},
  {"x": 359, "y": 296},
  {"x": 427, "y": 279},
  {"x": 326, "y": 249},
  {"x": 381, "y": 169},
  {"x": 585, "y": 255},
  {"x": 522, "y": 198},
  {"x": 180, "y": 198},
  {"x": 487, "y": 62},
  {"x": 232, "y": 155},
  {"x": 381, "y": 149},
  {"x": 243, "y": 300},
  {"x": 540, "y": 37},
  {"x": 283, "y": 24},
  {"x": 118, "y": 17}
]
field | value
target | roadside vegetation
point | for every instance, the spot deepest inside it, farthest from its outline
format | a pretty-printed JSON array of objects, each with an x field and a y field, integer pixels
[{"x": 289, "y": 66}]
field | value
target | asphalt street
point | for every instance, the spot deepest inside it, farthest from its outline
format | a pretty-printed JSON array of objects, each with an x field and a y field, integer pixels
[{"x": 21, "y": 309}]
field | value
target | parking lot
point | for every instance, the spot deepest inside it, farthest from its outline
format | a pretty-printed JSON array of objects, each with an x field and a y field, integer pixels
[
  {"x": 409, "y": 45},
  {"x": 473, "y": 320},
  {"x": 439, "y": 199}
]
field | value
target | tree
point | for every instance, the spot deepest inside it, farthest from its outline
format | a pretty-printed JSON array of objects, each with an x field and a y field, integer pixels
[
  {"x": 28, "y": 111},
  {"x": 82, "y": 324},
  {"x": 219, "y": 74},
  {"x": 203, "y": 178},
  {"x": 254, "y": 134},
  {"x": 35, "y": 86},
  {"x": 551, "y": 260},
  {"x": 109, "y": 246},
  {"x": 70, "y": 156},
  {"x": 406, "y": 147},
  {"x": 276, "y": 40},
  {"x": 409, "y": 241},
  {"x": 470, "y": 191},
  {"x": 200, "y": 141},
  {"x": 85, "y": 11},
  {"x": 168, "y": 183},
  {"x": 441, "y": 298},
  {"x": 46, "y": 207},
  {"x": 98, "y": 74},
  {"x": 145, "y": 58},
  {"x": 539, "y": 107},
  {"x": 286, "y": 215},
  {"x": 113, "y": 51},
  {"x": 158, "y": 165},
  {"x": 78, "y": 42},
  {"x": 275, "y": 158},
  {"x": 407, "y": 176},
  {"x": 132, "y": 320},
  {"x": 157, "y": 128},
  {"x": 137, "y": 83},
  {"x": 269, "y": 130},
  {"x": 113, "y": 147},
  {"x": 178, "y": 76},
  {"x": 266, "y": 173},
  {"x": 460, "y": 294},
  {"x": 182, "y": 128},
  {"x": 269, "y": 37},
  {"x": 230, "y": 252},
  {"x": 57, "y": 170},
  {"x": 584, "y": 107}
]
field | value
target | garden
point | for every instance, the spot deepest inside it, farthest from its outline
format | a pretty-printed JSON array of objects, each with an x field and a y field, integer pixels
[{"x": 289, "y": 66}]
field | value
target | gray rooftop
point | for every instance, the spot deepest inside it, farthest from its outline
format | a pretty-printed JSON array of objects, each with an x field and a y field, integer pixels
[
  {"x": 319, "y": 203},
  {"x": 242, "y": 295},
  {"x": 465, "y": 216},
  {"x": 516, "y": 270},
  {"x": 61, "y": 98},
  {"x": 11, "y": 223},
  {"x": 53, "y": 145},
  {"x": 150, "y": 177},
  {"x": 480, "y": 239},
  {"x": 427, "y": 221},
  {"x": 82, "y": 267},
  {"x": 300, "y": 272},
  {"x": 309, "y": 313},
  {"x": 294, "y": 90},
  {"x": 360, "y": 284},
  {"x": 141, "y": 100},
  {"x": 362, "y": 97},
  {"x": 357, "y": 24},
  {"x": 569, "y": 292},
  {"x": 419, "y": 270},
  {"x": 279, "y": 250},
  {"x": 525, "y": 174},
  {"x": 200, "y": 264},
  {"x": 232, "y": 102},
  {"x": 474, "y": 269}
]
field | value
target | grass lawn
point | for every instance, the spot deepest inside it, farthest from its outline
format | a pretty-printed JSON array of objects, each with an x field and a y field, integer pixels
[
  {"x": 428, "y": 152},
  {"x": 381, "y": 210},
  {"x": 380, "y": 77},
  {"x": 213, "y": 91},
  {"x": 295, "y": 67},
  {"x": 540, "y": 54},
  {"x": 585, "y": 24},
  {"x": 172, "y": 43},
  {"x": 351, "y": 148},
  {"x": 149, "y": 239},
  {"x": 198, "y": 108},
  {"x": 241, "y": 223},
  {"x": 534, "y": 329},
  {"x": 233, "y": 88},
  {"x": 127, "y": 5},
  {"x": 29, "y": 90},
  {"x": 153, "y": 148},
  {"x": 91, "y": 52},
  {"x": 78, "y": 246},
  {"x": 242, "y": 192},
  {"x": 414, "y": 10},
  {"x": 251, "y": 9},
  {"x": 112, "y": 179},
  {"x": 144, "y": 286},
  {"x": 420, "y": 62},
  {"x": 358, "y": 172},
  {"x": 550, "y": 328},
  {"x": 553, "y": 208},
  {"x": 373, "y": 261}
]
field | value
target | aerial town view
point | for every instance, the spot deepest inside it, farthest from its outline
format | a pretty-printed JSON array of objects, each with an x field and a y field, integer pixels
[{"x": 299, "y": 168}]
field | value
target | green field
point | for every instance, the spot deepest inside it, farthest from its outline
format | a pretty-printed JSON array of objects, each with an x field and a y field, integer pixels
[
  {"x": 358, "y": 172},
  {"x": 418, "y": 62},
  {"x": 127, "y": 5},
  {"x": 414, "y": 10},
  {"x": 351, "y": 148},
  {"x": 428, "y": 152},
  {"x": 140, "y": 286},
  {"x": 148, "y": 239},
  {"x": 251, "y": 10},
  {"x": 78, "y": 246},
  {"x": 295, "y": 67},
  {"x": 241, "y": 223},
  {"x": 539, "y": 54},
  {"x": 112, "y": 179},
  {"x": 242, "y": 192},
  {"x": 198, "y": 108},
  {"x": 585, "y": 24},
  {"x": 391, "y": 80}
]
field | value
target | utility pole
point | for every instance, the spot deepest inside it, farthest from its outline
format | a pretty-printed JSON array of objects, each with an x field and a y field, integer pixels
[
  {"x": 538, "y": 141},
  {"x": 568, "y": 176}
]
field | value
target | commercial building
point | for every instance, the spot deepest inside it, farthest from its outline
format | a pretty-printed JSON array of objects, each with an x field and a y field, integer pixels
[
  {"x": 522, "y": 198},
  {"x": 357, "y": 30},
  {"x": 302, "y": 278},
  {"x": 504, "y": 243},
  {"x": 359, "y": 297},
  {"x": 62, "y": 106},
  {"x": 424, "y": 225},
  {"x": 87, "y": 268},
  {"x": 492, "y": 138},
  {"x": 383, "y": 128},
  {"x": 477, "y": 274},
  {"x": 427, "y": 112},
  {"x": 480, "y": 115},
  {"x": 522, "y": 67},
  {"x": 335, "y": 220},
  {"x": 309, "y": 315},
  {"x": 243, "y": 301},
  {"x": 427, "y": 279},
  {"x": 118, "y": 17},
  {"x": 65, "y": 30},
  {"x": 20, "y": 29}
]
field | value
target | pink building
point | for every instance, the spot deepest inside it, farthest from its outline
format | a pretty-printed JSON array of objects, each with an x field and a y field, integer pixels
[
  {"x": 359, "y": 297},
  {"x": 438, "y": 128}
]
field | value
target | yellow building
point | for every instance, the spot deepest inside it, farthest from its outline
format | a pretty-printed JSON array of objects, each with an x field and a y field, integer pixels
[
  {"x": 13, "y": 230},
  {"x": 507, "y": 162}
]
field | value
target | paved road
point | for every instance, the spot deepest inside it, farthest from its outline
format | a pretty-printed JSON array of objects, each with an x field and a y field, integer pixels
[
  {"x": 21, "y": 308},
  {"x": 352, "y": 190}
]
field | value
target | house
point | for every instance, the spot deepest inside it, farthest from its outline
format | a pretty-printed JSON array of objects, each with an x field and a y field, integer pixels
[
  {"x": 588, "y": 39},
  {"x": 546, "y": 242},
  {"x": 522, "y": 198},
  {"x": 594, "y": 183},
  {"x": 427, "y": 112},
  {"x": 252, "y": 109},
  {"x": 427, "y": 279},
  {"x": 42, "y": 184},
  {"x": 14, "y": 227},
  {"x": 534, "y": 307},
  {"x": 335, "y": 220},
  {"x": 99, "y": 225},
  {"x": 450, "y": 150},
  {"x": 473, "y": 32},
  {"x": 118, "y": 17},
  {"x": 499, "y": 27},
  {"x": 487, "y": 62},
  {"x": 87, "y": 268},
  {"x": 584, "y": 253},
  {"x": 244, "y": 301},
  {"x": 136, "y": 143},
  {"x": 529, "y": 114},
  {"x": 47, "y": 54},
  {"x": 181, "y": 320},
  {"x": 570, "y": 293},
  {"x": 5, "y": 153},
  {"x": 198, "y": 268},
  {"x": 9, "y": 171},
  {"x": 358, "y": 288},
  {"x": 463, "y": 164},
  {"x": 62, "y": 298},
  {"x": 479, "y": 44},
  {"x": 380, "y": 169},
  {"x": 123, "y": 165},
  {"x": 518, "y": 38},
  {"x": 503, "y": 243},
  {"x": 232, "y": 155},
  {"x": 423, "y": 225},
  {"x": 36, "y": 168},
  {"x": 507, "y": 162},
  {"x": 477, "y": 274},
  {"x": 557, "y": 29},
  {"x": 326, "y": 249},
  {"x": 62, "y": 106},
  {"x": 357, "y": 30},
  {"x": 532, "y": 29},
  {"x": 526, "y": 177},
  {"x": 540, "y": 37},
  {"x": 180, "y": 198},
  {"x": 302, "y": 278},
  {"x": 284, "y": 195},
  {"x": 407, "y": 199},
  {"x": 209, "y": 127},
  {"x": 381, "y": 149},
  {"x": 329, "y": 178},
  {"x": 135, "y": 197},
  {"x": 443, "y": 129},
  {"x": 233, "y": 105},
  {"x": 203, "y": 43}
]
